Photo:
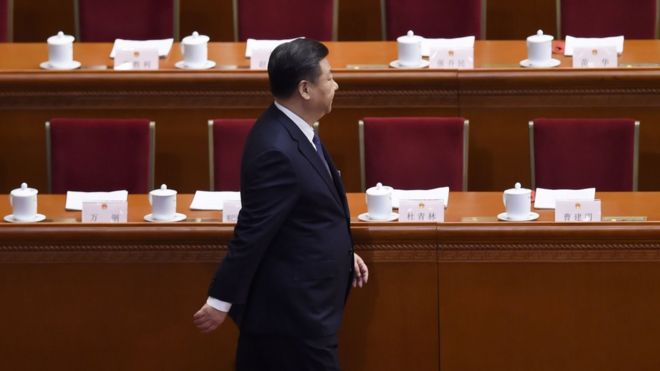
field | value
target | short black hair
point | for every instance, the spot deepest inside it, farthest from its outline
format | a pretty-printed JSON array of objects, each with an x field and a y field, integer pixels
[{"x": 292, "y": 62}]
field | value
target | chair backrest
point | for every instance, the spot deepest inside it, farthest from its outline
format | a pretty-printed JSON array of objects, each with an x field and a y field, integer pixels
[
  {"x": 102, "y": 20},
  {"x": 583, "y": 153},
  {"x": 6, "y": 20},
  {"x": 414, "y": 152},
  {"x": 433, "y": 18},
  {"x": 598, "y": 18},
  {"x": 226, "y": 141},
  {"x": 100, "y": 155},
  {"x": 283, "y": 19}
]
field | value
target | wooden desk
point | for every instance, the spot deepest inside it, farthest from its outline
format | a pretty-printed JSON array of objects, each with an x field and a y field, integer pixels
[
  {"x": 344, "y": 56},
  {"x": 459, "y": 296},
  {"x": 498, "y": 97}
]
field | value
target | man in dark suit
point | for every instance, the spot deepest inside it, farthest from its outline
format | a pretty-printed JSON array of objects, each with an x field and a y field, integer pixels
[{"x": 291, "y": 262}]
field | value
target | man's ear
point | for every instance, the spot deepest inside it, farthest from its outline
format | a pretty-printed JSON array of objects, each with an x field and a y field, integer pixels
[{"x": 303, "y": 89}]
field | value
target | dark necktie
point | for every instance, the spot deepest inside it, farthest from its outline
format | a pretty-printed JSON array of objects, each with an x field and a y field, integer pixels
[{"x": 319, "y": 151}]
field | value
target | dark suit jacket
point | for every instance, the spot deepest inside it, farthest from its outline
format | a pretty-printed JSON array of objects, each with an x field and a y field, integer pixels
[{"x": 289, "y": 266}]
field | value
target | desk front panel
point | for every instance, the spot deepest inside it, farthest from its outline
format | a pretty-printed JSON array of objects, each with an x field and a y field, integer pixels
[
  {"x": 121, "y": 296},
  {"x": 549, "y": 296},
  {"x": 459, "y": 295}
]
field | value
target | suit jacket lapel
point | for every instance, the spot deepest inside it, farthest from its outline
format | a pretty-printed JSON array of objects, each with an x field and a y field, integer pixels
[
  {"x": 339, "y": 186},
  {"x": 307, "y": 150}
]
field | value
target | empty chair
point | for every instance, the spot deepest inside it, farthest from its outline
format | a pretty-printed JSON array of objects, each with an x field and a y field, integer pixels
[
  {"x": 433, "y": 18},
  {"x": 598, "y": 18},
  {"x": 583, "y": 153},
  {"x": 101, "y": 20},
  {"x": 226, "y": 141},
  {"x": 414, "y": 152},
  {"x": 6, "y": 20},
  {"x": 283, "y": 19},
  {"x": 100, "y": 155}
]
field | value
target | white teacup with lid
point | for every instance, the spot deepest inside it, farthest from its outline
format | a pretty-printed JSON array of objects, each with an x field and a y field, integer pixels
[
  {"x": 60, "y": 51},
  {"x": 379, "y": 202},
  {"x": 409, "y": 48},
  {"x": 23, "y": 201},
  {"x": 163, "y": 203},
  {"x": 195, "y": 51},
  {"x": 539, "y": 50},
  {"x": 518, "y": 202}
]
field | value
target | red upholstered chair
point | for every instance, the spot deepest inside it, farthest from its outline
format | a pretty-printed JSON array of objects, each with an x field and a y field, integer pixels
[
  {"x": 226, "y": 140},
  {"x": 103, "y": 20},
  {"x": 598, "y": 18},
  {"x": 100, "y": 155},
  {"x": 6, "y": 20},
  {"x": 414, "y": 152},
  {"x": 583, "y": 153},
  {"x": 433, "y": 18},
  {"x": 284, "y": 19}
]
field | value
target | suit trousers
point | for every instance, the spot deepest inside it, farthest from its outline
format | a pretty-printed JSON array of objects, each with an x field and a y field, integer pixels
[{"x": 261, "y": 352}]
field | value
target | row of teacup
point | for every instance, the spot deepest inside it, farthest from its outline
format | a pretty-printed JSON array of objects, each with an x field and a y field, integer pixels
[
  {"x": 23, "y": 201},
  {"x": 517, "y": 202},
  {"x": 539, "y": 50},
  {"x": 194, "y": 49}
]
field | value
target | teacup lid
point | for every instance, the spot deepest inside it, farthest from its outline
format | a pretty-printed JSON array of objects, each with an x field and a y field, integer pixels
[
  {"x": 195, "y": 39},
  {"x": 517, "y": 190},
  {"x": 24, "y": 191},
  {"x": 409, "y": 38},
  {"x": 539, "y": 37},
  {"x": 379, "y": 190},
  {"x": 61, "y": 39},
  {"x": 163, "y": 191}
]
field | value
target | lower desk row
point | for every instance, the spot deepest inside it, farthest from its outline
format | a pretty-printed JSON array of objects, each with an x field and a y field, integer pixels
[{"x": 464, "y": 207}]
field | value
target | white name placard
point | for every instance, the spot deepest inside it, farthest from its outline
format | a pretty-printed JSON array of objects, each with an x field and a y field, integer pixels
[
  {"x": 137, "y": 59},
  {"x": 260, "y": 57},
  {"x": 451, "y": 58},
  {"x": 230, "y": 210},
  {"x": 577, "y": 211},
  {"x": 115, "y": 211},
  {"x": 428, "y": 211},
  {"x": 603, "y": 56}
]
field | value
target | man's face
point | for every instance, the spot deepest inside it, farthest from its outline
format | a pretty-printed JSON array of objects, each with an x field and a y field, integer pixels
[{"x": 322, "y": 91}]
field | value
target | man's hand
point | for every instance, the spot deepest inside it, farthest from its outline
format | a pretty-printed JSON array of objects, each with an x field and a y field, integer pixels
[
  {"x": 208, "y": 318},
  {"x": 361, "y": 275}
]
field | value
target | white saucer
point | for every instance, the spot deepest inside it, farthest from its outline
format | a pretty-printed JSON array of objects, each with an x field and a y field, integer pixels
[
  {"x": 47, "y": 66},
  {"x": 551, "y": 63},
  {"x": 37, "y": 218},
  {"x": 177, "y": 218},
  {"x": 182, "y": 65},
  {"x": 395, "y": 64},
  {"x": 532, "y": 216},
  {"x": 365, "y": 218}
]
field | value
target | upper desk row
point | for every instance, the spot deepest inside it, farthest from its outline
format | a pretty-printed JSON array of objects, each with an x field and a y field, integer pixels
[
  {"x": 498, "y": 97},
  {"x": 343, "y": 55}
]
